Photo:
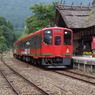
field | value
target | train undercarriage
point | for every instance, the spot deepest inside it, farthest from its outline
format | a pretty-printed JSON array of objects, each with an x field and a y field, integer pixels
[{"x": 56, "y": 62}]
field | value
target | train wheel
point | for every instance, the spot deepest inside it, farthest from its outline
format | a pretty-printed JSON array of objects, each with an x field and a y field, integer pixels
[
  {"x": 32, "y": 61},
  {"x": 15, "y": 56},
  {"x": 39, "y": 62},
  {"x": 23, "y": 58},
  {"x": 35, "y": 61}
]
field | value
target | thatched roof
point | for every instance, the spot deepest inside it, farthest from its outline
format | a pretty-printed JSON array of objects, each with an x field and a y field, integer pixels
[{"x": 76, "y": 16}]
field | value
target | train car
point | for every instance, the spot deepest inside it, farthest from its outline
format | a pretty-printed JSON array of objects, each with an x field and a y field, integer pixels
[{"x": 50, "y": 47}]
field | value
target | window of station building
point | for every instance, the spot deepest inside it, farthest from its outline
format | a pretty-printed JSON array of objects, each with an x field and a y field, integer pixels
[
  {"x": 48, "y": 37},
  {"x": 67, "y": 37},
  {"x": 57, "y": 40}
]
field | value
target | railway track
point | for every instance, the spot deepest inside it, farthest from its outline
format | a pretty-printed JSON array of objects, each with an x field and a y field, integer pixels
[
  {"x": 74, "y": 75},
  {"x": 77, "y": 76},
  {"x": 66, "y": 88},
  {"x": 20, "y": 84},
  {"x": 41, "y": 68}
]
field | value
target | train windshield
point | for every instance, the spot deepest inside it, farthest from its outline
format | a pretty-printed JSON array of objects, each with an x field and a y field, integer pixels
[
  {"x": 67, "y": 37},
  {"x": 48, "y": 37}
]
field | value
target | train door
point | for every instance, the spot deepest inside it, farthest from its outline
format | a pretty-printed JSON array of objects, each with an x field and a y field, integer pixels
[
  {"x": 58, "y": 44},
  {"x": 67, "y": 43}
]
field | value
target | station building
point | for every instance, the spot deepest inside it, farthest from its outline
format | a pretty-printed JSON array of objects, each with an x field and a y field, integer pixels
[{"x": 81, "y": 19}]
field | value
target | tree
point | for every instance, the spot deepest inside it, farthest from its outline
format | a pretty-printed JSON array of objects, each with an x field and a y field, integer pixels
[
  {"x": 3, "y": 47},
  {"x": 43, "y": 16},
  {"x": 2, "y": 43},
  {"x": 7, "y": 34}
]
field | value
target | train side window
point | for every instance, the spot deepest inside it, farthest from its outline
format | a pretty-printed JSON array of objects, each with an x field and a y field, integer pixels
[
  {"x": 48, "y": 37},
  {"x": 67, "y": 37}
]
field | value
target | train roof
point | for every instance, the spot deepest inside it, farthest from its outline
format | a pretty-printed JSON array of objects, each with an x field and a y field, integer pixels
[
  {"x": 57, "y": 28},
  {"x": 37, "y": 32}
]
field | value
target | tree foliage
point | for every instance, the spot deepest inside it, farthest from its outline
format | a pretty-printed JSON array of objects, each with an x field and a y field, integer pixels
[
  {"x": 43, "y": 17},
  {"x": 7, "y": 35},
  {"x": 17, "y": 10}
]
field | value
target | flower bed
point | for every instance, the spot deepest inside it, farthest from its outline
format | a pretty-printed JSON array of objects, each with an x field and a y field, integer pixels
[{"x": 87, "y": 54}]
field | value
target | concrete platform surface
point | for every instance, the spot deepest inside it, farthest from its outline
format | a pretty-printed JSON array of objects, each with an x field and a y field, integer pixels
[{"x": 83, "y": 58}]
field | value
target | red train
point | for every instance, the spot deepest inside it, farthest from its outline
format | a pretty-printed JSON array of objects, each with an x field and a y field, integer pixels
[{"x": 49, "y": 47}]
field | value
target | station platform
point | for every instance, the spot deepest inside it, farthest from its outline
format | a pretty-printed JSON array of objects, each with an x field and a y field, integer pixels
[{"x": 84, "y": 63}]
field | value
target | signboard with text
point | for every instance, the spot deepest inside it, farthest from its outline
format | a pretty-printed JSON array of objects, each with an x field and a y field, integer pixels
[{"x": 93, "y": 42}]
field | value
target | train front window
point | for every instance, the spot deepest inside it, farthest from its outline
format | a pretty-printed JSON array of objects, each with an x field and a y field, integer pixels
[
  {"x": 67, "y": 37},
  {"x": 57, "y": 40},
  {"x": 48, "y": 37}
]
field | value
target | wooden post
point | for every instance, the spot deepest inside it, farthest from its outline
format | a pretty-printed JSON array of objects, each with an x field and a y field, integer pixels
[
  {"x": 74, "y": 62},
  {"x": 27, "y": 64},
  {"x": 84, "y": 69},
  {"x": 78, "y": 65},
  {"x": 85, "y": 62},
  {"x": 91, "y": 66}
]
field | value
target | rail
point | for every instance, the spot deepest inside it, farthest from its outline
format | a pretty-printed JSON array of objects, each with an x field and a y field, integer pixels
[
  {"x": 73, "y": 75},
  {"x": 31, "y": 83}
]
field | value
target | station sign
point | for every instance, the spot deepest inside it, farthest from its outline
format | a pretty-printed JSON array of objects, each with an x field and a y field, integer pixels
[{"x": 93, "y": 42}]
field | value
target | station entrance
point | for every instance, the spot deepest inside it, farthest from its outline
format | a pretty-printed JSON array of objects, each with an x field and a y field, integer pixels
[
  {"x": 84, "y": 45},
  {"x": 87, "y": 43}
]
